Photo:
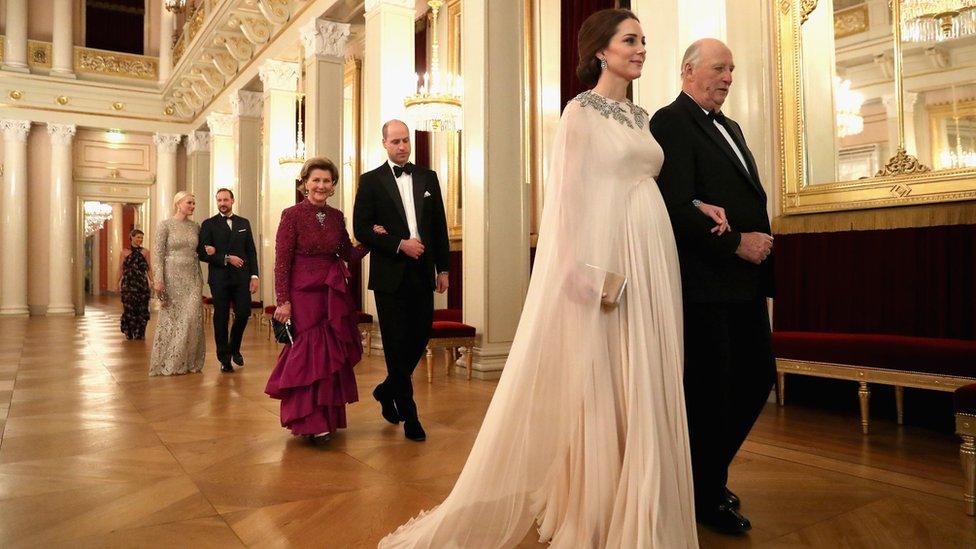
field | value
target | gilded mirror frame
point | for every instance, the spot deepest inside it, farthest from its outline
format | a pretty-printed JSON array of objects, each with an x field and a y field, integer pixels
[{"x": 905, "y": 186}]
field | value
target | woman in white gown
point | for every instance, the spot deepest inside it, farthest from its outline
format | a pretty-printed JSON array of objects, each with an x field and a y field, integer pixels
[{"x": 586, "y": 434}]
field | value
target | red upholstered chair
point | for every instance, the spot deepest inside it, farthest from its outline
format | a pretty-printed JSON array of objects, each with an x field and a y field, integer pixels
[
  {"x": 964, "y": 401},
  {"x": 365, "y": 323},
  {"x": 450, "y": 334},
  {"x": 266, "y": 315}
]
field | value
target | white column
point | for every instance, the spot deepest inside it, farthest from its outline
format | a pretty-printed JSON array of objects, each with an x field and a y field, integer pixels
[
  {"x": 388, "y": 69},
  {"x": 198, "y": 177},
  {"x": 96, "y": 271},
  {"x": 166, "y": 22},
  {"x": 62, "y": 55},
  {"x": 15, "y": 41},
  {"x": 280, "y": 79},
  {"x": 246, "y": 130},
  {"x": 13, "y": 218},
  {"x": 221, "y": 126},
  {"x": 116, "y": 243},
  {"x": 61, "y": 222},
  {"x": 496, "y": 203},
  {"x": 166, "y": 144},
  {"x": 325, "y": 50}
]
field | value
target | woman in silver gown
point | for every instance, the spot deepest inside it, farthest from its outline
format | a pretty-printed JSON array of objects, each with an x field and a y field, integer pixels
[{"x": 178, "y": 345}]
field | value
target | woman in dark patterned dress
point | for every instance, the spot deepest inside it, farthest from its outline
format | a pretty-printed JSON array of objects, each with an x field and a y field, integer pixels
[
  {"x": 135, "y": 279},
  {"x": 313, "y": 377}
]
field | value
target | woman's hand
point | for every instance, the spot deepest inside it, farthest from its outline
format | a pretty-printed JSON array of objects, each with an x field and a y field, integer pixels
[
  {"x": 283, "y": 312},
  {"x": 717, "y": 214},
  {"x": 379, "y": 229},
  {"x": 210, "y": 250},
  {"x": 159, "y": 286}
]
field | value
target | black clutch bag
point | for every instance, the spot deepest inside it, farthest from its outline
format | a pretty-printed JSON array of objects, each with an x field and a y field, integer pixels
[{"x": 282, "y": 331}]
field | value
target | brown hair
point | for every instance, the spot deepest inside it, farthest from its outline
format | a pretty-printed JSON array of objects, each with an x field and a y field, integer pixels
[
  {"x": 135, "y": 232},
  {"x": 594, "y": 35},
  {"x": 224, "y": 190},
  {"x": 318, "y": 163}
]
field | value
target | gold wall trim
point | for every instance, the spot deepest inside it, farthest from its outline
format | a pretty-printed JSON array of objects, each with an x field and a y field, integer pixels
[
  {"x": 851, "y": 21},
  {"x": 906, "y": 217},
  {"x": 88, "y": 113},
  {"x": 39, "y": 54},
  {"x": 92, "y": 61}
]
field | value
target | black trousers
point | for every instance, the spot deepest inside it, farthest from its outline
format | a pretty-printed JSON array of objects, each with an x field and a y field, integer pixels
[
  {"x": 405, "y": 318},
  {"x": 224, "y": 294},
  {"x": 729, "y": 372}
]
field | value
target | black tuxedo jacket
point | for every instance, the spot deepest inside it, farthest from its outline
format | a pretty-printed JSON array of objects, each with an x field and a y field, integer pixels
[
  {"x": 237, "y": 241},
  {"x": 699, "y": 163},
  {"x": 378, "y": 202}
]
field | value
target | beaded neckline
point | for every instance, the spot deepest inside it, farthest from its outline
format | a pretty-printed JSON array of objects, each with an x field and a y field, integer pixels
[{"x": 610, "y": 108}]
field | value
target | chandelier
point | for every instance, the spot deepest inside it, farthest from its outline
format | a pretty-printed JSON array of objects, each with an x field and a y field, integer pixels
[
  {"x": 96, "y": 214},
  {"x": 175, "y": 6},
  {"x": 937, "y": 20},
  {"x": 436, "y": 107},
  {"x": 849, "y": 119},
  {"x": 298, "y": 156}
]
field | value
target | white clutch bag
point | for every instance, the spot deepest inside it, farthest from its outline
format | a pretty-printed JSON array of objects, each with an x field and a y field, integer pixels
[{"x": 614, "y": 285}]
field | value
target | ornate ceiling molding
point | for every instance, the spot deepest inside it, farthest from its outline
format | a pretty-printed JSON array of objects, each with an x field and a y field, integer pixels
[
  {"x": 323, "y": 37},
  {"x": 247, "y": 104},
  {"x": 279, "y": 75}
]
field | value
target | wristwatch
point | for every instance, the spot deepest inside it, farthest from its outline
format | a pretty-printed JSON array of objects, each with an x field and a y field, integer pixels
[{"x": 696, "y": 203}]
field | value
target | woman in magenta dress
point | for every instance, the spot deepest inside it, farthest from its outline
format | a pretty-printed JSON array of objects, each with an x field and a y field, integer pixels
[{"x": 313, "y": 377}]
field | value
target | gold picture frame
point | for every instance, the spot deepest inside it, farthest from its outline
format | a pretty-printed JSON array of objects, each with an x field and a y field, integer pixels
[{"x": 905, "y": 182}]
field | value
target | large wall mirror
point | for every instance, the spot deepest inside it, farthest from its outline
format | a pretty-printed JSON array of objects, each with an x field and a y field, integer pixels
[{"x": 875, "y": 114}]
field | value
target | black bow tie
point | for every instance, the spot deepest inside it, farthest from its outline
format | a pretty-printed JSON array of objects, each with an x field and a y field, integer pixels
[
  {"x": 400, "y": 170},
  {"x": 717, "y": 116}
]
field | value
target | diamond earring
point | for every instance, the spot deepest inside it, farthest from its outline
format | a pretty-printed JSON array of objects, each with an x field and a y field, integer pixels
[{"x": 603, "y": 64}]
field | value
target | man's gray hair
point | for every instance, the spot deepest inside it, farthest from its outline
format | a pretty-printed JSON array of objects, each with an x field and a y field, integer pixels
[{"x": 692, "y": 55}]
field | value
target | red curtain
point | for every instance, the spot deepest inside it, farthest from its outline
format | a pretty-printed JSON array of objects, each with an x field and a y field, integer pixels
[
  {"x": 919, "y": 282},
  {"x": 574, "y": 12},
  {"x": 421, "y": 139}
]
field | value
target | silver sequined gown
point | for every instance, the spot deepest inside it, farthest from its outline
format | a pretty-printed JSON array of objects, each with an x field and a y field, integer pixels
[{"x": 178, "y": 345}]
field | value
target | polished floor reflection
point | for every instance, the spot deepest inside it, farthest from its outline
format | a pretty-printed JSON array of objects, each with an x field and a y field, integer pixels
[{"x": 95, "y": 453}]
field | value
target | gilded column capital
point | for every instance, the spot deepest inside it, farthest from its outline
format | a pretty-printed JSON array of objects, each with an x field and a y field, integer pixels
[
  {"x": 167, "y": 142},
  {"x": 247, "y": 104},
  {"x": 279, "y": 75},
  {"x": 15, "y": 130},
  {"x": 61, "y": 134},
  {"x": 373, "y": 4},
  {"x": 323, "y": 37},
  {"x": 198, "y": 142},
  {"x": 221, "y": 124}
]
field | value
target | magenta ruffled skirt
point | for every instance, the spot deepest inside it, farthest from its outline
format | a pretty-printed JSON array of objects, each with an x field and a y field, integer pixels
[{"x": 314, "y": 377}]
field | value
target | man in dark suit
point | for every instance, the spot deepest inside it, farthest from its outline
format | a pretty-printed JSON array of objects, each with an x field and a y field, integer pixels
[
  {"x": 407, "y": 264},
  {"x": 227, "y": 245},
  {"x": 729, "y": 367}
]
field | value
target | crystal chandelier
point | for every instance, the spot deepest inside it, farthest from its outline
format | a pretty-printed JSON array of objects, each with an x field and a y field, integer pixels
[
  {"x": 298, "y": 157},
  {"x": 96, "y": 214},
  {"x": 436, "y": 107},
  {"x": 175, "y": 6},
  {"x": 849, "y": 119},
  {"x": 937, "y": 20}
]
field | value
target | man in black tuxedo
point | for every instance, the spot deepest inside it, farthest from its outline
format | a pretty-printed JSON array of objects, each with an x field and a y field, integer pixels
[
  {"x": 407, "y": 264},
  {"x": 227, "y": 245},
  {"x": 725, "y": 279}
]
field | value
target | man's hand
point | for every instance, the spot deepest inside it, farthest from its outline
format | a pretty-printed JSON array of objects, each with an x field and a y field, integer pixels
[
  {"x": 254, "y": 285},
  {"x": 442, "y": 282},
  {"x": 210, "y": 250},
  {"x": 413, "y": 248},
  {"x": 379, "y": 229},
  {"x": 755, "y": 247},
  {"x": 235, "y": 261}
]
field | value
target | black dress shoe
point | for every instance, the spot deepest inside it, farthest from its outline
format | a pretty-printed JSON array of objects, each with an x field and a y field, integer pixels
[
  {"x": 320, "y": 440},
  {"x": 732, "y": 500},
  {"x": 413, "y": 430},
  {"x": 725, "y": 520},
  {"x": 226, "y": 368},
  {"x": 389, "y": 409},
  {"x": 238, "y": 359}
]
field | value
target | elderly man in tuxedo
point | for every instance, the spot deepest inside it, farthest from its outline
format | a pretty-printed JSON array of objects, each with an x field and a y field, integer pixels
[
  {"x": 726, "y": 278},
  {"x": 399, "y": 215}
]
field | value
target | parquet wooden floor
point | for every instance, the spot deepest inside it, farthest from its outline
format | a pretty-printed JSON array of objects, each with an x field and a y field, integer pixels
[{"x": 96, "y": 454}]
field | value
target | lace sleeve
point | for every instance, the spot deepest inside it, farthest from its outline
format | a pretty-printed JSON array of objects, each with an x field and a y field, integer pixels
[
  {"x": 347, "y": 252},
  {"x": 159, "y": 251},
  {"x": 285, "y": 242}
]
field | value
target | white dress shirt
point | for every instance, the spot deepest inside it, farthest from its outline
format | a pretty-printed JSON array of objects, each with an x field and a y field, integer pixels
[
  {"x": 405, "y": 186},
  {"x": 725, "y": 134}
]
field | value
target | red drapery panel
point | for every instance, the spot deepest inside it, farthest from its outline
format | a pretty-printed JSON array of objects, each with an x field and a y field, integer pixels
[
  {"x": 574, "y": 12},
  {"x": 917, "y": 282},
  {"x": 421, "y": 139}
]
